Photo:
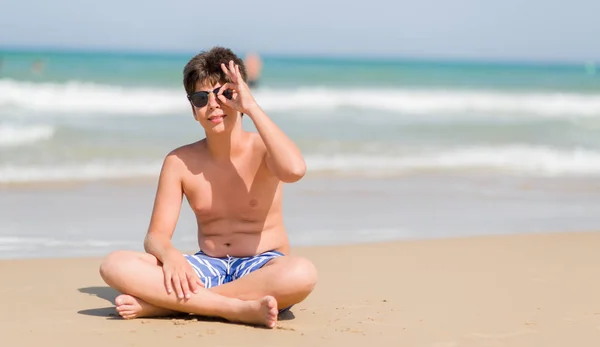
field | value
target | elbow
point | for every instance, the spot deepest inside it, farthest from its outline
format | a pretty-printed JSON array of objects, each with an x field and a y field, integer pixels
[
  {"x": 149, "y": 242},
  {"x": 294, "y": 174},
  {"x": 146, "y": 243}
]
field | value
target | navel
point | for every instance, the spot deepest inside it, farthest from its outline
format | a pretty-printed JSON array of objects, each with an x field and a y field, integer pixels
[{"x": 253, "y": 202}]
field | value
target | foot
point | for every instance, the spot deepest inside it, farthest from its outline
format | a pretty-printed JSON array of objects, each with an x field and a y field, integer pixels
[
  {"x": 130, "y": 307},
  {"x": 258, "y": 312}
]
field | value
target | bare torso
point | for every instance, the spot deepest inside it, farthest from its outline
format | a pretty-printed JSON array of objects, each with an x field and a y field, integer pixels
[{"x": 237, "y": 202}]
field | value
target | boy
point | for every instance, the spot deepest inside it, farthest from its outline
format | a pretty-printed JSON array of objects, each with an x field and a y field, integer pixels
[{"x": 233, "y": 182}]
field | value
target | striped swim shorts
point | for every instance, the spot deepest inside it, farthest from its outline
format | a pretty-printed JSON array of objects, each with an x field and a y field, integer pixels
[{"x": 216, "y": 271}]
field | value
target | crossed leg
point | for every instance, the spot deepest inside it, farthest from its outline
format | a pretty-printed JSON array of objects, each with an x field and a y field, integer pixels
[{"x": 254, "y": 298}]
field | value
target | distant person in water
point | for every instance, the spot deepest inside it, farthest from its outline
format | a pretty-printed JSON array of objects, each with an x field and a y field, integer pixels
[
  {"x": 37, "y": 67},
  {"x": 254, "y": 68},
  {"x": 233, "y": 181}
]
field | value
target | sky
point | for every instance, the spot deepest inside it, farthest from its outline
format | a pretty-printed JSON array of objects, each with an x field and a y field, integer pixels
[{"x": 538, "y": 30}]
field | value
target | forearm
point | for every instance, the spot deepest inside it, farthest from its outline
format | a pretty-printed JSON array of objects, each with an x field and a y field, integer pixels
[
  {"x": 158, "y": 245},
  {"x": 286, "y": 159}
]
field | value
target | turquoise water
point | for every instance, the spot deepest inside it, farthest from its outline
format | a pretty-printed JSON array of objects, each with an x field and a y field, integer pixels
[
  {"x": 164, "y": 70},
  {"x": 90, "y": 115}
]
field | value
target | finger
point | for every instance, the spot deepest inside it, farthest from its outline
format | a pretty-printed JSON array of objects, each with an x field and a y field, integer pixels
[
  {"x": 177, "y": 286},
  {"x": 238, "y": 73},
  {"x": 192, "y": 282},
  {"x": 185, "y": 286},
  {"x": 200, "y": 283},
  {"x": 226, "y": 102},
  {"x": 225, "y": 87},
  {"x": 168, "y": 282},
  {"x": 226, "y": 71},
  {"x": 224, "y": 68},
  {"x": 233, "y": 74},
  {"x": 223, "y": 99}
]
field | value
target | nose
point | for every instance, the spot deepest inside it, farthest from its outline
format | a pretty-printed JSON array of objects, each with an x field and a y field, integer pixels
[{"x": 213, "y": 102}]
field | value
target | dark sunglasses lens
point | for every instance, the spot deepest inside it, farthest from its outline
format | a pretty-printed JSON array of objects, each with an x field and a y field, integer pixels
[
  {"x": 228, "y": 94},
  {"x": 200, "y": 99}
]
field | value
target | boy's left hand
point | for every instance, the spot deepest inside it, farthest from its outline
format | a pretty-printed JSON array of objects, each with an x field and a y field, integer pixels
[{"x": 242, "y": 99}]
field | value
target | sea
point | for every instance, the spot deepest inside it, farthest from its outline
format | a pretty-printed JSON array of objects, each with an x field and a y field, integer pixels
[
  {"x": 88, "y": 116},
  {"x": 71, "y": 116}
]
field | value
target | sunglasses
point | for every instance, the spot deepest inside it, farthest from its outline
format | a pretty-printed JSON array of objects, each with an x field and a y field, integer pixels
[{"x": 200, "y": 99}]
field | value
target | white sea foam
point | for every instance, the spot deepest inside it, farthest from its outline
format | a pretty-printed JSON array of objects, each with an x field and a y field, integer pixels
[
  {"x": 27, "y": 246},
  {"x": 87, "y": 98},
  {"x": 83, "y": 172},
  {"x": 79, "y": 97},
  {"x": 521, "y": 159},
  {"x": 20, "y": 242},
  {"x": 517, "y": 159},
  {"x": 15, "y": 135}
]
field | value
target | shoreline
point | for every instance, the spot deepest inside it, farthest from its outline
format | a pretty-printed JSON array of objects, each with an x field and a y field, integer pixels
[
  {"x": 93, "y": 219},
  {"x": 67, "y": 183}
]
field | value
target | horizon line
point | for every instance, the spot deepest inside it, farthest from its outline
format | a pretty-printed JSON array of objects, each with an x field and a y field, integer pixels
[{"x": 382, "y": 57}]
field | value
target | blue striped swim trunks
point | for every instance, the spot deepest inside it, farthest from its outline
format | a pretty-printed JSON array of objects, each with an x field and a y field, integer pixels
[{"x": 216, "y": 271}]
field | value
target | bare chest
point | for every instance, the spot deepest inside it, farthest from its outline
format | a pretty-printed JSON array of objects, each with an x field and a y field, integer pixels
[{"x": 238, "y": 192}]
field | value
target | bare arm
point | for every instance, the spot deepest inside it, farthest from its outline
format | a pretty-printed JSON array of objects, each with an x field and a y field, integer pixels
[
  {"x": 283, "y": 158},
  {"x": 167, "y": 206},
  {"x": 178, "y": 273}
]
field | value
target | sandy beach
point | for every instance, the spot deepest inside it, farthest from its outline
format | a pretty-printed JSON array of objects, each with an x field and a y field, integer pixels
[{"x": 511, "y": 290}]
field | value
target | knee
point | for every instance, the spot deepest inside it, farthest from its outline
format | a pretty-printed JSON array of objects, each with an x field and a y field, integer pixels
[
  {"x": 113, "y": 265},
  {"x": 304, "y": 273}
]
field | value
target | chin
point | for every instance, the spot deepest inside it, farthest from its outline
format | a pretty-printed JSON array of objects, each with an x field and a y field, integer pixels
[{"x": 217, "y": 128}]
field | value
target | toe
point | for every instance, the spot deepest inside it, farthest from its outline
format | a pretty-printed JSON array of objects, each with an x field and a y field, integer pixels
[
  {"x": 271, "y": 302},
  {"x": 272, "y": 313},
  {"x": 120, "y": 300},
  {"x": 124, "y": 299},
  {"x": 125, "y": 310}
]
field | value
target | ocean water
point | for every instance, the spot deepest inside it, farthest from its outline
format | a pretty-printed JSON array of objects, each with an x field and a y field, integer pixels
[
  {"x": 395, "y": 148},
  {"x": 89, "y": 116}
]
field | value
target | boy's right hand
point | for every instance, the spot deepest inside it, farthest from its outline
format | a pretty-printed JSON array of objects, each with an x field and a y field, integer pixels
[{"x": 180, "y": 276}]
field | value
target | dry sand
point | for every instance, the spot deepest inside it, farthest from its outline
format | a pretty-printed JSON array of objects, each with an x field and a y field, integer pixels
[{"x": 518, "y": 290}]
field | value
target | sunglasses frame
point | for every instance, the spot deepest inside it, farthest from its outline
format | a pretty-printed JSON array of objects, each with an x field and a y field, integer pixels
[{"x": 227, "y": 93}]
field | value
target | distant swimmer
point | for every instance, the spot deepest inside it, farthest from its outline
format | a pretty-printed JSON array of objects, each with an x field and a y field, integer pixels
[
  {"x": 253, "y": 67},
  {"x": 38, "y": 66}
]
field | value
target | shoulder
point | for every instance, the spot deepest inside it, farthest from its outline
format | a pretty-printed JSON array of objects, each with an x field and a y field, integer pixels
[
  {"x": 181, "y": 157},
  {"x": 258, "y": 145},
  {"x": 260, "y": 153}
]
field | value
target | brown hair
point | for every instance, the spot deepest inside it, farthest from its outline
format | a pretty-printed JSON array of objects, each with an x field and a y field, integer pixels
[{"x": 206, "y": 68}]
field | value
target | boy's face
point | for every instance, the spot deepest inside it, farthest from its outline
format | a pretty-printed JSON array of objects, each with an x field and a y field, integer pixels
[{"x": 209, "y": 111}]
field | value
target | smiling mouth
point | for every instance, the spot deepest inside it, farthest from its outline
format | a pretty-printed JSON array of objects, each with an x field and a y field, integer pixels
[{"x": 216, "y": 119}]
